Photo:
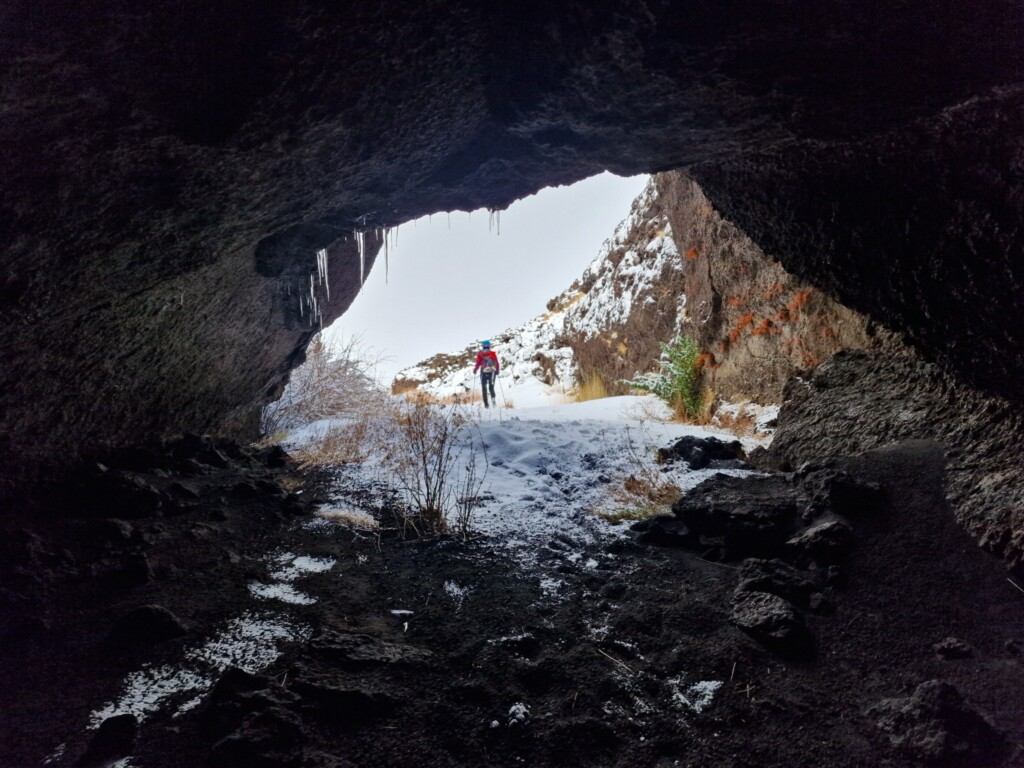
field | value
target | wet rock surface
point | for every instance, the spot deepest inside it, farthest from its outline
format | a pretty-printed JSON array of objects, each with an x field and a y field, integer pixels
[{"x": 630, "y": 660}]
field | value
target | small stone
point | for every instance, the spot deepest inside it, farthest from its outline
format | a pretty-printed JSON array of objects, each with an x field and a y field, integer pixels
[
  {"x": 953, "y": 648},
  {"x": 772, "y": 621}
]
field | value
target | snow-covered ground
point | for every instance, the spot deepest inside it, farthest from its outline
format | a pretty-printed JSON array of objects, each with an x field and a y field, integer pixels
[{"x": 555, "y": 471}]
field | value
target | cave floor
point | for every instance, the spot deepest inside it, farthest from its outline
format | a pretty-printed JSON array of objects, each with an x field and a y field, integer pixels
[{"x": 361, "y": 649}]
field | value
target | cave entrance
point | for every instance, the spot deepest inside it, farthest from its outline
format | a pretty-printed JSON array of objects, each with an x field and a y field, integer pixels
[{"x": 451, "y": 279}]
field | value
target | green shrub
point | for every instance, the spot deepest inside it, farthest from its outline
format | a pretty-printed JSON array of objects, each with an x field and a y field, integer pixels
[{"x": 677, "y": 383}]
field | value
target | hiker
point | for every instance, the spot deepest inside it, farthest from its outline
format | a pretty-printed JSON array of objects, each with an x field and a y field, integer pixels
[{"x": 487, "y": 364}]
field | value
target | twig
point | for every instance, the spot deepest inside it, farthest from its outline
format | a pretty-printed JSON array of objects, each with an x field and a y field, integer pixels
[
  {"x": 733, "y": 673},
  {"x": 1018, "y": 586},
  {"x": 574, "y": 699},
  {"x": 630, "y": 671}
]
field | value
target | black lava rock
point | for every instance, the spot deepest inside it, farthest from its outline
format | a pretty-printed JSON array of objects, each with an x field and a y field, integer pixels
[
  {"x": 752, "y": 515},
  {"x": 825, "y": 543},
  {"x": 773, "y": 622},
  {"x": 700, "y": 452},
  {"x": 778, "y": 578},
  {"x": 935, "y": 725}
]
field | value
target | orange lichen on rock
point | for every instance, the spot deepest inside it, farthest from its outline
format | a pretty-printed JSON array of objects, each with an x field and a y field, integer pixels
[
  {"x": 735, "y": 301},
  {"x": 782, "y": 316},
  {"x": 799, "y": 300},
  {"x": 764, "y": 328},
  {"x": 773, "y": 292},
  {"x": 707, "y": 360},
  {"x": 745, "y": 320},
  {"x": 692, "y": 253}
]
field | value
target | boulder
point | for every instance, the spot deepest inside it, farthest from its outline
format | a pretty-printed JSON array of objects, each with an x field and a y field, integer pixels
[
  {"x": 773, "y": 622},
  {"x": 778, "y": 578},
  {"x": 701, "y": 452},
  {"x": 751, "y": 515},
  {"x": 824, "y": 543},
  {"x": 833, "y": 490},
  {"x": 935, "y": 725}
]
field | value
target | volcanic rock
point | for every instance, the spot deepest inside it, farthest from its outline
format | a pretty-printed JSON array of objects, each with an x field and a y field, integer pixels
[
  {"x": 823, "y": 543},
  {"x": 778, "y": 578},
  {"x": 752, "y": 515},
  {"x": 937, "y": 726},
  {"x": 771, "y": 621},
  {"x": 700, "y": 452}
]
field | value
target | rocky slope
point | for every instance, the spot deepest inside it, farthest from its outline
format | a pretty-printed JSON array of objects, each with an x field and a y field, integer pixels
[{"x": 673, "y": 265}]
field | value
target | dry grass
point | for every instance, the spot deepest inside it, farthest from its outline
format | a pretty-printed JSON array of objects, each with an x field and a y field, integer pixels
[
  {"x": 336, "y": 445},
  {"x": 419, "y": 397},
  {"x": 591, "y": 388},
  {"x": 354, "y": 518},
  {"x": 740, "y": 423}
]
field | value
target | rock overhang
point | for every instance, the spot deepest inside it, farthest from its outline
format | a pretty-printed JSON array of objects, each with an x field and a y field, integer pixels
[{"x": 171, "y": 171}]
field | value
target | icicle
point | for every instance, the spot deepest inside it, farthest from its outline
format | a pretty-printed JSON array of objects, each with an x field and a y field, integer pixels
[
  {"x": 497, "y": 222},
  {"x": 449, "y": 219},
  {"x": 361, "y": 244},
  {"x": 327, "y": 277}
]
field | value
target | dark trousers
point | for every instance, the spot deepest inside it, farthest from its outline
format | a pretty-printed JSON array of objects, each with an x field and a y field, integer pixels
[{"x": 487, "y": 383}]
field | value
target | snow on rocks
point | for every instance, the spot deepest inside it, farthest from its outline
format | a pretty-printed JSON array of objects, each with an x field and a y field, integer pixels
[{"x": 250, "y": 642}]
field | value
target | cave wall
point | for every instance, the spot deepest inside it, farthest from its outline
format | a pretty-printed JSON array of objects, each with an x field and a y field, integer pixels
[{"x": 170, "y": 169}]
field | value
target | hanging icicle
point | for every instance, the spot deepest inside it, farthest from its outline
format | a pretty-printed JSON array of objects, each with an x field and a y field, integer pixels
[{"x": 361, "y": 245}]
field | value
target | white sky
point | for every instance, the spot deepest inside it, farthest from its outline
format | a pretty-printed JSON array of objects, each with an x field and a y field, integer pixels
[{"x": 449, "y": 286}]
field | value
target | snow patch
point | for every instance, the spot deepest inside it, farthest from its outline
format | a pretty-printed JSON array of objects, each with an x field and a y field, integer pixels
[
  {"x": 283, "y": 592},
  {"x": 696, "y": 697}
]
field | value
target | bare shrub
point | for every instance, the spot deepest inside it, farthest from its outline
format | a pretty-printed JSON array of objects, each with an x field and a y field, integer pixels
[
  {"x": 434, "y": 459},
  {"x": 335, "y": 381}
]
